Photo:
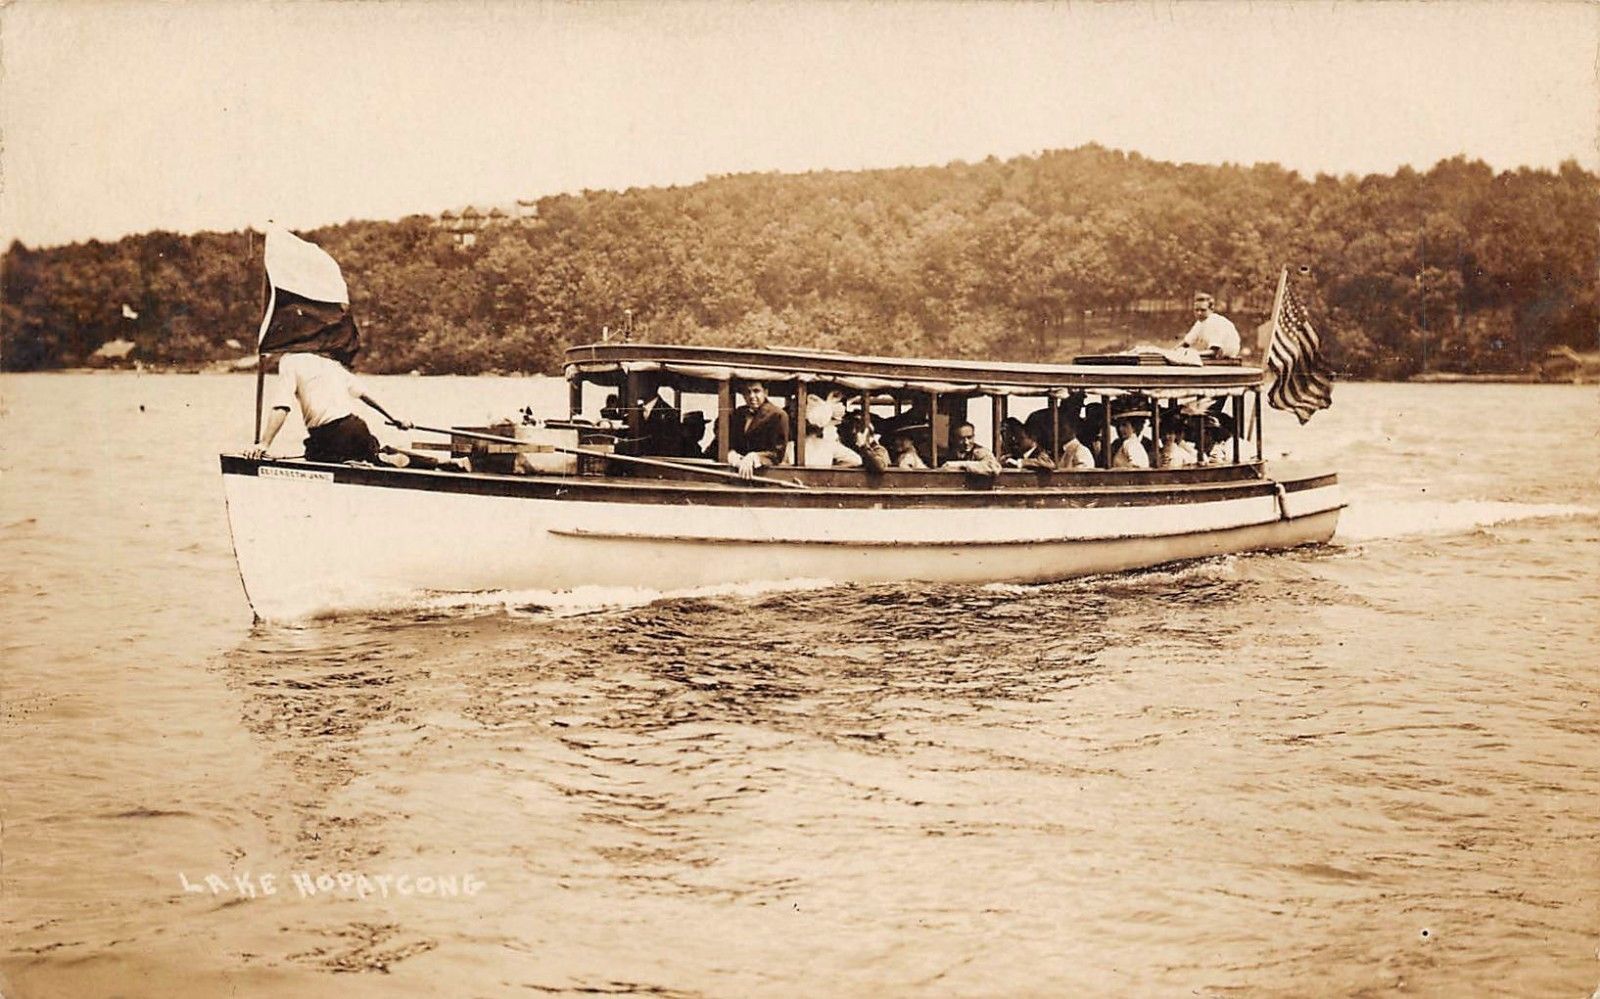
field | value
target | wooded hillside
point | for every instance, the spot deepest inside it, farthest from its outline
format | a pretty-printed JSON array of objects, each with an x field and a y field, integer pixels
[{"x": 1456, "y": 269}]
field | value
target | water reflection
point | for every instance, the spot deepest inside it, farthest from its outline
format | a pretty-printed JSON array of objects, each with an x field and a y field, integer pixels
[{"x": 658, "y": 729}]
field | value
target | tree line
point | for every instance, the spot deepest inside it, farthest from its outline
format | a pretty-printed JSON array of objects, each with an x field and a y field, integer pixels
[{"x": 1457, "y": 269}]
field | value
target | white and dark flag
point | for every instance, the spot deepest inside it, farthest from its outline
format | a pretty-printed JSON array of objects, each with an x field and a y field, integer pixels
[
  {"x": 308, "y": 308},
  {"x": 1304, "y": 381}
]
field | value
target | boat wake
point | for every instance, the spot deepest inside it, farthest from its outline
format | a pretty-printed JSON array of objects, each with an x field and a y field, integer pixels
[
  {"x": 1401, "y": 518},
  {"x": 591, "y": 599}
]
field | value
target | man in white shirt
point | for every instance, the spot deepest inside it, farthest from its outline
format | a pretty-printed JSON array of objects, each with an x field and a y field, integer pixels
[
  {"x": 1212, "y": 335},
  {"x": 325, "y": 391}
]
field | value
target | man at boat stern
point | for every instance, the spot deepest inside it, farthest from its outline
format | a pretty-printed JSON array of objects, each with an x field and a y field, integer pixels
[
  {"x": 758, "y": 432},
  {"x": 1213, "y": 334}
]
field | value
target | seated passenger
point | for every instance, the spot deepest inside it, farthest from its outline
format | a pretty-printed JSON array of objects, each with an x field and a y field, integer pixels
[
  {"x": 967, "y": 455},
  {"x": 854, "y": 435},
  {"x": 758, "y": 432},
  {"x": 1219, "y": 440},
  {"x": 823, "y": 448},
  {"x": 1175, "y": 451},
  {"x": 1127, "y": 451},
  {"x": 1010, "y": 438},
  {"x": 1038, "y": 424},
  {"x": 1031, "y": 456},
  {"x": 662, "y": 427},
  {"x": 904, "y": 452},
  {"x": 1076, "y": 456},
  {"x": 693, "y": 433}
]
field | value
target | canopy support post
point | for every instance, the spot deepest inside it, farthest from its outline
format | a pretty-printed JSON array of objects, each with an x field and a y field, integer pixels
[
  {"x": 634, "y": 386},
  {"x": 1238, "y": 424},
  {"x": 1055, "y": 427},
  {"x": 724, "y": 418},
  {"x": 1105, "y": 430},
  {"x": 798, "y": 400},
  {"x": 1155, "y": 431},
  {"x": 1261, "y": 447}
]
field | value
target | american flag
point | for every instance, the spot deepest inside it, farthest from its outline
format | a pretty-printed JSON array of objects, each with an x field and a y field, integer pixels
[{"x": 1304, "y": 380}]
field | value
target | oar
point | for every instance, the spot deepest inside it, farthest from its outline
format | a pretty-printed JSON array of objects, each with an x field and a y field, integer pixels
[{"x": 612, "y": 456}]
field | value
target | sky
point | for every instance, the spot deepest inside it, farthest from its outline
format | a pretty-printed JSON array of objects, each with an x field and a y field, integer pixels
[{"x": 119, "y": 117}]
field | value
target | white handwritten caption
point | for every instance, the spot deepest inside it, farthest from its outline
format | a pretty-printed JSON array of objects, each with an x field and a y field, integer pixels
[
  {"x": 349, "y": 884},
  {"x": 299, "y": 474}
]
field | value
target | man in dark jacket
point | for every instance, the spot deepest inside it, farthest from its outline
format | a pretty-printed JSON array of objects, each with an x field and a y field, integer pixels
[
  {"x": 758, "y": 432},
  {"x": 661, "y": 425}
]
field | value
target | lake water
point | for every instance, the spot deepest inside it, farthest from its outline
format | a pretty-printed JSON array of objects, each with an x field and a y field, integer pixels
[{"x": 1367, "y": 769}]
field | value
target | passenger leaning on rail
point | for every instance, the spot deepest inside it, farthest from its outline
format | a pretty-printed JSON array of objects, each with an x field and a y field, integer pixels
[
  {"x": 854, "y": 435},
  {"x": 967, "y": 455},
  {"x": 758, "y": 432},
  {"x": 1031, "y": 456}
]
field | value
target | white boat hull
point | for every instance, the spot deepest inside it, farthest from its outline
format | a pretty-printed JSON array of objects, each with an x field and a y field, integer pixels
[{"x": 309, "y": 542}]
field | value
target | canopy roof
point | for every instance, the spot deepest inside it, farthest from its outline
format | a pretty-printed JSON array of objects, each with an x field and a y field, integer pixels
[{"x": 927, "y": 374}]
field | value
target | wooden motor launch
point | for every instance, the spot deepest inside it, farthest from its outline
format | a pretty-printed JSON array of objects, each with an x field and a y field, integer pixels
[{"x": 597, "y": 497}]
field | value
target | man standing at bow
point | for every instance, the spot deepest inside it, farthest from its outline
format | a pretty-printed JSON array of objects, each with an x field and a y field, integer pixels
[
  {"x": 325, "y": 390},
  {"x": 308, "y": 323}
]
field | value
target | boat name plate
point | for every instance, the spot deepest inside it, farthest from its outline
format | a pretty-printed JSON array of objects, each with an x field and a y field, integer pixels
[{"x": 302, "y": 474}]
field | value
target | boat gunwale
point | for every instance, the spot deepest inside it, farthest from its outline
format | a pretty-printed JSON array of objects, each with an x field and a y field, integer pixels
[{"x": 1074, "y": 491}]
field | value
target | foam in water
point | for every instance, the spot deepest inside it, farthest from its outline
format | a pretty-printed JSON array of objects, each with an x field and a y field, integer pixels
[
  {"x": 545, "y": 603},
  {"x": 1397, "y": 518}
]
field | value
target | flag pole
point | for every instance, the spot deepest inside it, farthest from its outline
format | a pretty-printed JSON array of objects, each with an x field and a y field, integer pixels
[
  {"x": 261, "y": 367},
  {"x": 261, "y": 387},
  {"x": 1277, "y": 304},
  {"x": 1266, "y": 361}
]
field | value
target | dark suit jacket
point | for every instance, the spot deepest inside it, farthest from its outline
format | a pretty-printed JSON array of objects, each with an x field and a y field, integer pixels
[
  {"x": 764, "y": 431},
  {"x": 663, "y": 430}
]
